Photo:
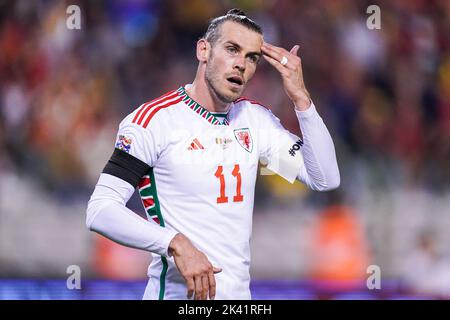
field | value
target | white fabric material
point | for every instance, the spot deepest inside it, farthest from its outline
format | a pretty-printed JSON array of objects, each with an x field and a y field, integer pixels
[
  {"x": 107, "y": 215},
  {"x": 282, "y": 162},
  {"x": 320, "y": 171}
]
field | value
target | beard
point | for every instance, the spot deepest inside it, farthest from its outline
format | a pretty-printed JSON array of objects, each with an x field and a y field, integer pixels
[{"x": 213, "y": 82}]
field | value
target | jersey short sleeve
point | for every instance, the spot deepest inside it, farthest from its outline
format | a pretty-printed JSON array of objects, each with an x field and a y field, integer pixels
[
  {"x": 141, "y": 143},
  {"x": 279, "y": 148},
  {"x": 136, "y": 149}
]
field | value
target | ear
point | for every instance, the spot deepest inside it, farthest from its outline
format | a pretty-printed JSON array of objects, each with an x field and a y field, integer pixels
[{"x": 203, "y": 49}]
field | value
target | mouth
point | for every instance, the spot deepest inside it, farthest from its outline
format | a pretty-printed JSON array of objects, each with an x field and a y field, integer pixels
[{"x": 235, "y": 81}]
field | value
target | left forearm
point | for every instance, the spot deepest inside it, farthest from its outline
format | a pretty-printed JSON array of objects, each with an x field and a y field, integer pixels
[{"x": 320, "y": 171}]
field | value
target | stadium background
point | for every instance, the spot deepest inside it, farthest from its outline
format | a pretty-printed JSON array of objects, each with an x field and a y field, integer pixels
[{"x": 384, "y": 95}]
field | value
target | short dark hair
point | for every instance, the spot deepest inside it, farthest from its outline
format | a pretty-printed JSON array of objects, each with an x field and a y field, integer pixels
[{"x": 212, "y": 34}]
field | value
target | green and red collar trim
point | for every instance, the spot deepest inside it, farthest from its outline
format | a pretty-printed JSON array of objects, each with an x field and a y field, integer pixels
[{"x": 197, "y": 108}]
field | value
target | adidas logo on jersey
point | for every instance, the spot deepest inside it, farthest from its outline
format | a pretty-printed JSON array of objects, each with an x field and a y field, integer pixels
[{"x": 195, "y": 145}]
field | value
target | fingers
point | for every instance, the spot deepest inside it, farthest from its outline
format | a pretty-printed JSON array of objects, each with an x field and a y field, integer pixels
[
  {"x": 276, "y": 64},
  {"x": 290, "y": 71},
  {"x": 277, "y": 54},
  {"x": 191, "y": 287},
  {"x": 198, "y": 288},
  {"x": 201, "y": 285},
  {"x": 205, "y": 284},
  {"x": 272, "y": 51},
  {"x": 196, "y": 269},
  {"x": 212, "y": 286}
]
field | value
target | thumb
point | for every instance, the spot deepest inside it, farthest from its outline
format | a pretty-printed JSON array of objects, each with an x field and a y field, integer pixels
[
  {"x": 294, "y": 49},
  {"x": 217, "y": 270}
]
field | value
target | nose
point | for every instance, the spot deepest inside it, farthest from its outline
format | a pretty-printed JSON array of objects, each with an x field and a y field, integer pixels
[{"x": 239, "y": 64}]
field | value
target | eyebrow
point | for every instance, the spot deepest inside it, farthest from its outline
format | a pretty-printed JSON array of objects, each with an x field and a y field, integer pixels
[{"x": 253, "y": 53}]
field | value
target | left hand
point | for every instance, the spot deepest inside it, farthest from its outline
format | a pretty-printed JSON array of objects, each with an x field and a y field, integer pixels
[{"x": 291, "y": 73}]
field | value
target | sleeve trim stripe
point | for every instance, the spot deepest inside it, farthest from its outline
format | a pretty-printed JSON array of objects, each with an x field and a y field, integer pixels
[
  {"x": 155, "y": 110},
  {"x": 154, "y": 104},
  {"x": 148, "y": 103}
]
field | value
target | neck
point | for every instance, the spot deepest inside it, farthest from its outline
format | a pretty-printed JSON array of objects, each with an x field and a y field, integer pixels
[{"x": 202, "y": 93}]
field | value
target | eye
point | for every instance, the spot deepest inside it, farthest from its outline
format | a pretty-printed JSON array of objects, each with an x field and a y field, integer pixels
[
  {"x": 232, "y": 49},
  {"x": 253, "y": 58}
]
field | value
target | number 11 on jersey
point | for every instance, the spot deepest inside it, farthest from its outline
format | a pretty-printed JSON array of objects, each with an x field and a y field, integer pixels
[{"x": 235, "y": 173}]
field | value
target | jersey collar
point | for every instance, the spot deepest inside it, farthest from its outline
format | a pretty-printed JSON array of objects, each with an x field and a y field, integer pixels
[{"x": 195, "y": 106}]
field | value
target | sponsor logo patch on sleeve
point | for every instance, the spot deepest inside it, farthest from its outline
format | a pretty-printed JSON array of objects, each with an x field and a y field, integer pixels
[{"x": 123, "y": 143}]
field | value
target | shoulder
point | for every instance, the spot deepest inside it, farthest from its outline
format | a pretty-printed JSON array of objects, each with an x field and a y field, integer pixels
[
  {"x": 254, "y": 108},
  {"x": 145, "y": 125},
  {"x": 151, "y": 112},
  {"x": 257, "y": 112},
  {"x": 251, "y": 105}
]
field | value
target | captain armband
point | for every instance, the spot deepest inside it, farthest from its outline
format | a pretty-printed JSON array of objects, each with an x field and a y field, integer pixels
[{"x": 126, "y": 167}]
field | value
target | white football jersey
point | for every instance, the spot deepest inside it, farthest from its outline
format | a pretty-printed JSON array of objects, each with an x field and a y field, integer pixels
[{"x": 202, "y": 181}]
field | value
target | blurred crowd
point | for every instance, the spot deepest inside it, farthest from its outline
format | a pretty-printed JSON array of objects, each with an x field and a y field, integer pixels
[{"x": 384, "y": 94}]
